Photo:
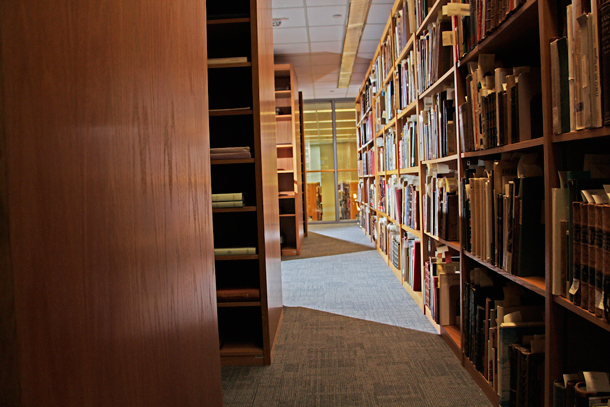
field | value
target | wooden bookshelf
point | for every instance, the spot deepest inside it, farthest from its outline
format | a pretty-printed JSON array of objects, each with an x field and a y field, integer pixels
[
  {"x": 290, "y": 160},
  {"x": 521, "y": 39},
  {"x": 247, "y": 329}
]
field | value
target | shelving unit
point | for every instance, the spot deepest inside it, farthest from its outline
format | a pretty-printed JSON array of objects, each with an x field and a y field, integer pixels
[
  {"x": 575, "y": 339},
  {"x": 289, "y": 162},
  {"x": 241, "y": 98}
]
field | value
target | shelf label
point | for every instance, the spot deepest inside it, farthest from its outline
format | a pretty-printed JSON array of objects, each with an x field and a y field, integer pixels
[
  {"x": 575, "y": 286},
  {"x": 448, "y": 38},
  {"x": 456, "y": 9}
]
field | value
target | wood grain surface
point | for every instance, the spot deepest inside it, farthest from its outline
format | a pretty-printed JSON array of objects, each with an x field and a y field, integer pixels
[
  {"x": 264, "y": 80},
  {"x": 107, "y": 163}
]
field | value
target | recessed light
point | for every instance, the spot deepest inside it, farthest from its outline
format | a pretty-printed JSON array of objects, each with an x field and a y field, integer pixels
[{"x": 337, "y": 15}]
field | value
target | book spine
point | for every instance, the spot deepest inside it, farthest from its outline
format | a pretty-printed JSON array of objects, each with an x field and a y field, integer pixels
[
  {"x": 584, "y": 256},
  {"x": 576, "y": 249},
  {"x": 234, "y": 251},
  {"x": 604, "y": 51},
  {"x": 228, "y": 204},
  {"x": 599, "y": 263},
  {"x": 606, "y": 262},
  {"x": 227, "y": 197}
]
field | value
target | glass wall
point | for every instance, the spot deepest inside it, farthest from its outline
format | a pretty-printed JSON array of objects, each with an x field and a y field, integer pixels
[{"x": 331, "y": 160}]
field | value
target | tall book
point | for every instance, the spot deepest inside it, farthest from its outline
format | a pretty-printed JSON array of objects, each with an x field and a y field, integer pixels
[
  {"x": 604, "y": 52},
  {"x": 530, "y": 252},
  {"x": 606, "y": 261},
  {"x": 560, "y": 213}
]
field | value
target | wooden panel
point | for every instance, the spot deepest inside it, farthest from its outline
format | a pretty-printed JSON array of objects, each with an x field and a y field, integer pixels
[
  {"x": 264, "y": 86},
  {"x": 108, "y": 190}
]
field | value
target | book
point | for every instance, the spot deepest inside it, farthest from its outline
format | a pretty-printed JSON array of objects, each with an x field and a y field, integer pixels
[
  {"x": 236, "y": 196},
  {"x": 559, "y": 394},
  {"x": 559, "y": 210},
  {"x": 234, "y": 251},
  {"x": 530, "y": 244},
  {"x": 560, "y": 88},
  {"x": 606, "y": 263},
  {"x": 604, "y": 51}
]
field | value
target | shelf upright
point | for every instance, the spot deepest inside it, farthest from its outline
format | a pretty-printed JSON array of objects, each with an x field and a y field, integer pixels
[{"x": 242, "y": 114}]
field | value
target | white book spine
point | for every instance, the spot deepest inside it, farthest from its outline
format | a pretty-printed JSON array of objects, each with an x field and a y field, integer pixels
[
  {"x": 596, "y": 96},
  {"x": 571, "y": 73}
]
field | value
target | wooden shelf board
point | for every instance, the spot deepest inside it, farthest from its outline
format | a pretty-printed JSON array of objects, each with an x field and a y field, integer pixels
[
  {"x": 582, "y": 135},
  {"x": 408, "y": 111},
  {"x": 416, "y": 295},
  {"x": 288, "y": 195},
  {"x": 428, "y": 314},
  {"x": 535, "y": 284},
  {"x": 237, "y": 161},
  {"x": 242, "y": 209},
  {"x": 453, "y": 245},
  {"x": 482, "y": 383},
  {"x": 503, "y": 34},
  {"x": 285, "y": 171},
  {"x": 237, "y": 257},
  {"x": 453, "y": 337},
  {"x": 283, "y": 92},
  {"x": 289, "y": 251},
  {"x": 431, "y": 16},
  {"x": 239, "y": 304},
  {"x": 379, "y": 133},
  {"x": 231, "y": 112},
  {"x": 368, "y": 143},
  {"x": 392, "y": 122},
  {"x": 287, "y": 215},
  {"x": 405, "y": 50},
  {"x": 409, "y": 170},
  {"x": 441, "y": 160},
  {"x": 387, "y": 79},
  {"x": 414, "y": 232},
  {"x": 284, "y": 146},
  {"x": 228, "y": 20},
  {"x": 240, "y": 349},
  {"x": 437, "y": 86},
  {"x": 396, "y": 272},
  {"x": 368, "y": 110},
  {"x": 391, "y": 172},
  {"x": 283, "y": 116},
  {"x": 231, "y": 65},
  {"x": 581, "y": 312},
  {"x": 507, "y": 148}
]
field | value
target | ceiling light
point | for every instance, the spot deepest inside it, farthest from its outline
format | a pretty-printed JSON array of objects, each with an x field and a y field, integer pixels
[
  {"x": 278, "y": 21},
  {"x": 358, "y": 12},
  {"x": 337, "y": 15}
]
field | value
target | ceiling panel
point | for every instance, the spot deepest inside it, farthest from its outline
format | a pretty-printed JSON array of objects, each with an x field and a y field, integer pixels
[
  {"x": 312, "y": 40},
  {"x": 372, "y": 32},
  {"x": 291, "y": 17},
  {"x": 290, "y": 35},
  {"x": 302, "y": 48},
  {"x": 319, "y": 16},
  {"x": 326, "y": 33},
  {"x": 329, "y": 46}
]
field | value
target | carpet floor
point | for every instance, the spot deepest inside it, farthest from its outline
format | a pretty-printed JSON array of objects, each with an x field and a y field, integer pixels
[
  {"x": 318, "y": 245},
  {"x": 351, "y": 336}
]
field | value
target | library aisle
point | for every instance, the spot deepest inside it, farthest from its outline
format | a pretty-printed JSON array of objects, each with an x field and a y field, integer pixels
[{"x": 351, "y": 336}]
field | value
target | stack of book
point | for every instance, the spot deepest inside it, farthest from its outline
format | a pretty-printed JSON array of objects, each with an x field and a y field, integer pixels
[
  {"x": 230, "y": 153},
  {"x": 442, "y": 298},
  {"x": 410, "y": 261},
  {"x": 406, "y": 81},
  {"x": 434, "y": 58},
  {"x": 503, "y": 105},
  {"x": 404, "y": 26},
  {"x": 440, "y": 206},
  {"x": 582, "y": 389},
  {"x": 438, "y": 126},
  {"x": 579, "y": 83},
  {"x": 232, "y": 200},
  {"x": 581, "y": 241}
]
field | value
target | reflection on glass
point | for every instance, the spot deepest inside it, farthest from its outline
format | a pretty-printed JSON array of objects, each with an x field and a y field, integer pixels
[
  {"x": 321, "y": 196},
  {"x": 347, "y": 193},
  {"x": 322, "y": 192}
]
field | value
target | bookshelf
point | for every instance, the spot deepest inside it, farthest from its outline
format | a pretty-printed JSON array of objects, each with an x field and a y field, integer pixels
[
  {"x": 416, "y": 110},
  {"x": 289, "y": 159},
  {"x": 242, "y": 99}
]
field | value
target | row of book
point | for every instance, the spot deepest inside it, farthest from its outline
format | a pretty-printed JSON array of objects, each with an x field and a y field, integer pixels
[
  {"x": 366, "y": 100},
  {"x": 390, "y": 155},
  {"x": 582, "y": 389},
  {"x": 410, "y": 261},
  {"x": 408, "y": 146},
  {"x": 384, "y": 62},
  {"x": 504, "y": 338},
  {"x": 394, "y": 245},
  {"x": 404, "y": 26},
  {"x": 577, "y": 58},
  {"x": 230, "y": 153},
  {"x": 442, "y": 287},
  {"x": 406, "y": 81},
  {"x": 484, "y": 17},
  {"x": 384, "y": 106},
  {"x": 433, "y": 58},
  {"x": 437, "y": 126},
  {"x": 403, "y": 198},
  {"x": 440, "y": 204},
  {"x": 502, "y": 214},
  {"x": 581, "y": 241},
  {"x": 365, "y": 130},
  {"x": 503, "y": 105},
  {"x": 366, "y": 162}
]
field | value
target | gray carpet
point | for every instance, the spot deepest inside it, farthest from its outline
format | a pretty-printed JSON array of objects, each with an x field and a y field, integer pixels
[
  {"x": 352, "y": 336},
  {"x": 320, "y": 245}
]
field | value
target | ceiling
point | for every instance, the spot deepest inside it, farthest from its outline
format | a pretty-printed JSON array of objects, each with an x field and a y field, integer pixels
[{"x": 310, "y": 37}]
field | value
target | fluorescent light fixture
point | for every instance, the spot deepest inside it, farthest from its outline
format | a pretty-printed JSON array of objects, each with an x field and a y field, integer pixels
[{"x": 358, "y": 12}]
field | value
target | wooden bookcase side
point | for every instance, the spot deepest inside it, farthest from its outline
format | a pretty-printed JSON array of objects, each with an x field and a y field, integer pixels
[
  {"x": 289, "y": 150},
  {"x": 303, "y": 163},
  {"x": 248, "y": 328},
  {"x": 561, "y": 316}
]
